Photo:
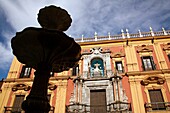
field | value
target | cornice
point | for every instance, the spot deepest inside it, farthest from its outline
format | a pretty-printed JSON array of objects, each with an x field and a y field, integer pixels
[
  {"x": 152, "y": 38},
  {"x": 139, "y": 73},
  {"x": 31, "y": 79}
]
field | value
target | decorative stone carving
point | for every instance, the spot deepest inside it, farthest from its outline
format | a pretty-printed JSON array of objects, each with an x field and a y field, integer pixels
[
  {"x": 21, "y": 86},
  {"x": 96, "y": 50},
  {"x": 166, "y": 47},
  {"x": 96, "y": 53},
  {"x": 52, "y": 86},
  {"x": 144, "y": 48},
  {"x": 153, "y": 79},
  {"x": 117, "y": 55},
  {"x": 86, "y": 85},
  {"x": 97, "y": 71}
]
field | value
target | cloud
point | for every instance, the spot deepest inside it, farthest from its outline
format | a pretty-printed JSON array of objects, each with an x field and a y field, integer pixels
[
  {"x": 5, "y": 53},
  {"x": 90, "y": 16}
]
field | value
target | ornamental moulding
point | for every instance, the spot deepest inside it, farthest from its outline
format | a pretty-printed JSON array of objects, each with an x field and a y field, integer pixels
[
  {"x": 52, "y": 86},
  {"x": 153, "y": 80},
  {"x": 21, "y": 87},
  {"x": 117, "y": 55},
  {"x": 166, "y": 47},
  {"x": 144, "y": 48},
  {"x": 96, "y": 51}
]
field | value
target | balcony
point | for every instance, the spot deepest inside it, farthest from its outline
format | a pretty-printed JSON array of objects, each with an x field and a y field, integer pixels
[
  {"x": 19, "y": 110},
  {"x": 119, "y": 107},
  {"x": 157, "y": 107},
  {"x": 116, "y": 107}
]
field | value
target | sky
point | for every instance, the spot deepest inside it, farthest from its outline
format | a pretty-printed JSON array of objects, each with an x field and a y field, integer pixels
[{"x": 89, "y": 16}]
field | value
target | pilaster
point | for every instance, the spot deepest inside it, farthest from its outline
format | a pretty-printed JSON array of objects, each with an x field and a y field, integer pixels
[
  {"x": 131, "y": 58},
  {"x": 167, "y": 77},
  {"x": 61, "y": 96},
  {"x": 161, "y": 59},
  {"x": 14, "y": 68},
  {"x": 4, "y": 96},
  {"x": 137, "y": 100},
  {"x": 128, "y": 58}
]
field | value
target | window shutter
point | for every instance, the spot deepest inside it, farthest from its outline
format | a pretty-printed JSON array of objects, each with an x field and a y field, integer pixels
[
  {"x": 26, "y": 71},
  {"x": 156, "y": 99},
  {"x": 49, "y": 97},
  {"x": 17, "y": 103},
  {"x": 119, "y": 66},
  {"x": 143, "y": 67},
  {"x": 153, "y": 64},
  {"x": 169, "y": 57},
  {"x": 22, "y": 72}
]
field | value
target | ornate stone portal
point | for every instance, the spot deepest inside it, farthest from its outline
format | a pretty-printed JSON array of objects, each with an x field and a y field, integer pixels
[
  {"x": 110, "y": 84},
  {"x": 47, "y": 50}
]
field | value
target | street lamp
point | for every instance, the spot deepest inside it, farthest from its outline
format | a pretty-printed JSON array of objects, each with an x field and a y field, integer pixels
[{"x": 47, "y": 50}]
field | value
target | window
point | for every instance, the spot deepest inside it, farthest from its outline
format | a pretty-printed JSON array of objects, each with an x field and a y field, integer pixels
[
  {"x": 49, "y": 97},
  {"x": 157, "y": 101},
  {"x": 169, "y": 57},
  {"x": 148, "y": 63},
  {"x": 97, "y": 67},
  {"x": 26, "y": 71},
  {"x": 17, "y": 103},
  {"x": 75, "y": 70},
  {"x": 119, "y": 67}
]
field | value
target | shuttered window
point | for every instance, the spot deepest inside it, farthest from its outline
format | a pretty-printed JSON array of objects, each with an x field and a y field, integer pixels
[
  {"x": 169, "y": 57},
  {"x": 119, "y": 67},
  {"x": 26, "y": 71},
  {"x": 157, "y": 101},
  {"x": 148, "y": 63},
  {"x": 49, "y": 97},
  {"x": 17, "y": 103}
]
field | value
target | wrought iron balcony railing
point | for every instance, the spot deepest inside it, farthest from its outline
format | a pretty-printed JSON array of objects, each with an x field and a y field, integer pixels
[
  {"x": 19, "y": 110},
  {"x": 157, "y": 106}
]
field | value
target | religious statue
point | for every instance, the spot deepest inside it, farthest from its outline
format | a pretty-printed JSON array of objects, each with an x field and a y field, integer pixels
[{"x": 97, "y": 71}]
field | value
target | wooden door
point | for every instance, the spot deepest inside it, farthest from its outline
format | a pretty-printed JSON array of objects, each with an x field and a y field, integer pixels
[{"x": 98, "y": 101}]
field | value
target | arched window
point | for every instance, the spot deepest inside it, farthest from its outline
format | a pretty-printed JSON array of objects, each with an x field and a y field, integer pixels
[{"x": 97, "y": 67}]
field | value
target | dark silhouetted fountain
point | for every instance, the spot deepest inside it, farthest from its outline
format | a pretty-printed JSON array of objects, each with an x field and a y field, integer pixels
[{"x": 47, "y": 49}]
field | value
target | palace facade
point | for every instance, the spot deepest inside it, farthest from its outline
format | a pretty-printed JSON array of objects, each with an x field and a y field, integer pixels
[{"x": 126, "y": 73}]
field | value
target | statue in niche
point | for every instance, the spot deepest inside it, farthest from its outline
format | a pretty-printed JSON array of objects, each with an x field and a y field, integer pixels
[{"x": 97, "y": 70}]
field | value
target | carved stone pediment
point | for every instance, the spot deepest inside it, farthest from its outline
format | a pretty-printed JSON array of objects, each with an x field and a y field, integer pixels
[
  {"x": 117, "y": 55},
  {"x": 21, "y": 86},
  {"x": 144, "y": 48},
  {"x": 153, "y": 79},
  {"x": 166, "y": 47},
  {"x": 95, "y": 51}
]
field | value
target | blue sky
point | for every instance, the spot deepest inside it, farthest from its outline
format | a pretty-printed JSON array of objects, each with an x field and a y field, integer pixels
[{"x": 89, "y": 16}]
